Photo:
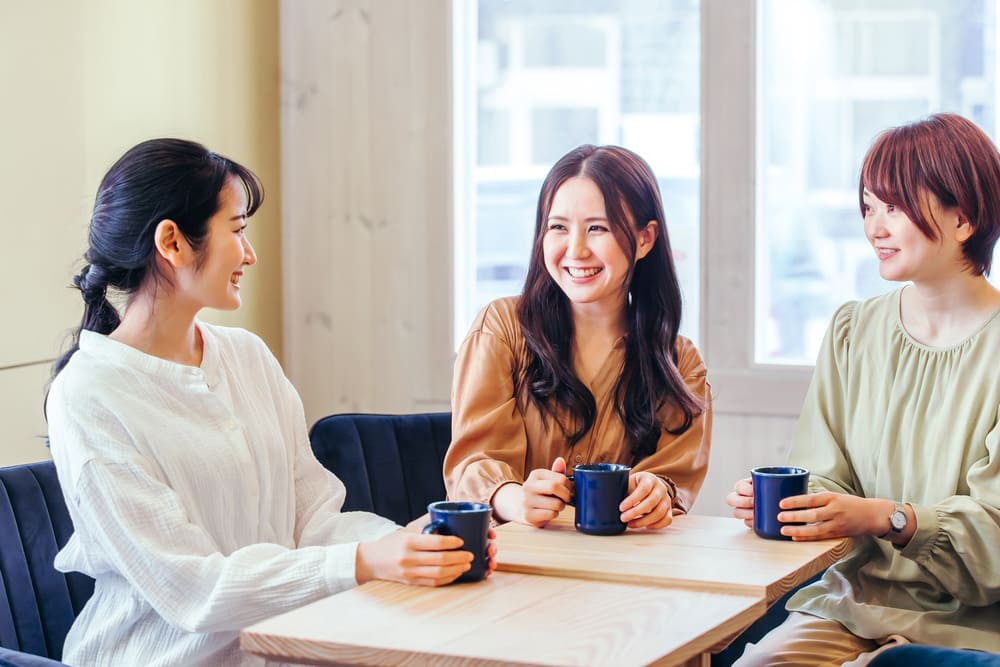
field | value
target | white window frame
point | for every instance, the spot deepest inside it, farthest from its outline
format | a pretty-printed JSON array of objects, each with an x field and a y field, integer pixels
[{"x": 729, "y": 213}]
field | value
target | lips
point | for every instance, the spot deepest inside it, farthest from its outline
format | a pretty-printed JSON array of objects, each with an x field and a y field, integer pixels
[{"x": 886, "y": 253}]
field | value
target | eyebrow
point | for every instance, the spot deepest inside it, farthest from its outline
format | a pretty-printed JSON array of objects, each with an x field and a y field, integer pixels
[{"x": 593, "y": 218}]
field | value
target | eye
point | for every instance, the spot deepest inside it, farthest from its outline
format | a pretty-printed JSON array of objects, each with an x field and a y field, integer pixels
[
  {"x": 597, "y": 228},
  {"x": 866, "y": 210},
  {"x": 556, "y": 226},
  {"x": 890, "y": 208}
]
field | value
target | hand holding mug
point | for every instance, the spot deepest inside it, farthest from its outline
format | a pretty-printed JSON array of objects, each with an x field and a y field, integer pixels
[
  {"x": 824, "y": 515},
  {"x": 648, "y": 504},
  {"x": 539, "y": 500},
  {"x": 412, "y": 558},
  {"x": 741, "y": 500}
]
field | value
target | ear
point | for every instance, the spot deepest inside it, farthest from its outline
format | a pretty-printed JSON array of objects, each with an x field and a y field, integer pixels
[
  {"x": 645, "y": 239},
  {"x": 170, "y": 244},
  {"x": 964, "y": 229}
]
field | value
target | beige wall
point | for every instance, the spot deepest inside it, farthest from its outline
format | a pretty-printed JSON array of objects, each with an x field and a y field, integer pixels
[{"x": 81, "y": 82}]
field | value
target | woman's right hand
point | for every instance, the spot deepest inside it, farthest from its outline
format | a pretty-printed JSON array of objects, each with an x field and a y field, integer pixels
[
  {"x": 741, "y": 500},
  {"x": 410, "y": 557},
  {"x": 540, "y": 499}
]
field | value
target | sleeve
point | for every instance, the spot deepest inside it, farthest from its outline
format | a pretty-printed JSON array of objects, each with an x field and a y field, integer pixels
[
  {"x": 319, "y": 494},
  {"x": 682, "y": 460},
  {"x": 820, "y": 435},
  {"x": 488, "y": 440},
  {"x": 138, "y": 528},
  {"x": 956, "y": 540}
]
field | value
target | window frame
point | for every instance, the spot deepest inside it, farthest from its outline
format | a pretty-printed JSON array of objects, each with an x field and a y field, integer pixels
[{"x": 729, "y": 165}]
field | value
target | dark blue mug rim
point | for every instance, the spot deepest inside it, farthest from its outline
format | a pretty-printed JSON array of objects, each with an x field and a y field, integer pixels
[
  {"x": 600, "y": 467},
  {"x": 779, "y": 471},
  {"x": 457, "y": 506}
]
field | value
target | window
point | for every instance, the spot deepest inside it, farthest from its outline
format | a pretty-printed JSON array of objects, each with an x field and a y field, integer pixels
[{"x": 535, "y": 78}]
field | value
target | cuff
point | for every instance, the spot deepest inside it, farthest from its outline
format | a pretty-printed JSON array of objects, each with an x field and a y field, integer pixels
[
  {"x": 340, "y": 566},
  {"x": 920, "y": 544}
]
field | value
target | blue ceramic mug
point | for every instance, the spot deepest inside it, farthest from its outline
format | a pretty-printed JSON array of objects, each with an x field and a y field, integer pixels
[
  {"x": 600, "y": 489},
  {"x": 770, "y": 485},
  {"x": 471, "y": 522}
]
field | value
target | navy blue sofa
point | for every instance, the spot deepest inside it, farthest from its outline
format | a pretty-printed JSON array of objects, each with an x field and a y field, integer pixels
[
  {"x": 37, "y": 603},
  {"x": 390, "y": 464}
]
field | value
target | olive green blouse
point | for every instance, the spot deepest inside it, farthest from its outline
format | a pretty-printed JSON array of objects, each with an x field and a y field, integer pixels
[{"x": 888, "y": 417}]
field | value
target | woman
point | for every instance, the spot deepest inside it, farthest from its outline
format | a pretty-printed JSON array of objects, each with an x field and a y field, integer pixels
[
  {"x": 586, "y": 365},
  {"x": 181, "y": 447},
  {"x": 900, "y": 426}
]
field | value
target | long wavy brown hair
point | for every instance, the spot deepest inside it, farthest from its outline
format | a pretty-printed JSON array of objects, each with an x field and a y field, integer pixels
[{"x": 649, "y": 377}]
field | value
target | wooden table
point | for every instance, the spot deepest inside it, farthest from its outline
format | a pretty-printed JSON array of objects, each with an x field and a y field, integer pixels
[
  {"x": 561, "y": 598},
  {"x": 700, "y": 552},
  {"x": 506, "y": 619}
]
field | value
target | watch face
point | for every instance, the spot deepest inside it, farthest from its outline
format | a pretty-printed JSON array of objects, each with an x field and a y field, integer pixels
[{"x": 898, "y": 520}]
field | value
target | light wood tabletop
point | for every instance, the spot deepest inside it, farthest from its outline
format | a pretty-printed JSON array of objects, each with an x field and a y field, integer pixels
[
  {"x": 699, "y": 552},
  {"x": 506, "y": 619}
]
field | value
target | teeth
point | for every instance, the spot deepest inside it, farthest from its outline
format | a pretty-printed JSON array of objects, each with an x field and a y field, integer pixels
[
  {"x": 582, "y": 273},
  {"x": 234, "y": 279}
]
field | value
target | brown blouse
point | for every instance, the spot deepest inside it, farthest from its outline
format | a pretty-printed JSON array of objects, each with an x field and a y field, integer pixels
[{"x": 495, "y": 442}]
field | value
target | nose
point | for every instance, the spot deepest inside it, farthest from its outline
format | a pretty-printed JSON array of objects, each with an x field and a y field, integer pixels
[
  {"x": 577, "y": 244},
  {"x": 249, "y": 256},
  {"x": 875, "y": 225}
]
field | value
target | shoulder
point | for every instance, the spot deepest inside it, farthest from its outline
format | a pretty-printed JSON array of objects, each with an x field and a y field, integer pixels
[
  {"x": 856, "y": 320},
  {"x": 689, "y": 360},
  {"x": 99, "y": 368},
  {"x": 498, "y": 318},
  {"x": 90, "y": 408},
  {"x": 237, "y": 344}
]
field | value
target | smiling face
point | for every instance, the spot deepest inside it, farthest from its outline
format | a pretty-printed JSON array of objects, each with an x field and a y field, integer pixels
[
  {"x": 582, "y": 254},
  {"x": 214, "y": 281},
  {"x": 904, "y": 252}
]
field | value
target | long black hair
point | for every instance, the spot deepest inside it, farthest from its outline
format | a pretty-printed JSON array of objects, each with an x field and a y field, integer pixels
[
  {"x": 156, "y": 180},
  {"x": 649, "y": 378}
]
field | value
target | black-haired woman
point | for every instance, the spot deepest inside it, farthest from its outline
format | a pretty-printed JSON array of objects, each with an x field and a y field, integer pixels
[
  {"x": 181, "y": 447},
  {"x": 586, "y": 365}
]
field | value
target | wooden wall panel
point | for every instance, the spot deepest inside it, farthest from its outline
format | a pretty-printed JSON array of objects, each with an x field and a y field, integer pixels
[{"x": 366, "y": 146}]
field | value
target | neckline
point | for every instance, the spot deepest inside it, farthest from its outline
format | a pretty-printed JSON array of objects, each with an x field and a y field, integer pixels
[
  {"x": 119, "y": 352},
  {"x": 929, "y": 348}
]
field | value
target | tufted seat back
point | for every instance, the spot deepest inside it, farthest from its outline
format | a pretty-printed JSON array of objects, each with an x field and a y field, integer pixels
[
  {"x": 391, "y": 464},
  {"x": 37, "y": 603}
]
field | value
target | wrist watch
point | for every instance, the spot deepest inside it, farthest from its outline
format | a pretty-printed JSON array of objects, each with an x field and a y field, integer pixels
[{"x": 897, "y": 522}]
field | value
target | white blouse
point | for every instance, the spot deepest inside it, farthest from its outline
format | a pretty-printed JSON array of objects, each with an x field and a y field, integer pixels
[{"x": 198, "y": 505}]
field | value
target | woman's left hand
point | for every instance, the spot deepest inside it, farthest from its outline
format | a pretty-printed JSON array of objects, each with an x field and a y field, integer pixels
[
  {"x": 828, "y": 515},
  {"x": 648, "y": 504},
  {"x": 418, "y": 524}
]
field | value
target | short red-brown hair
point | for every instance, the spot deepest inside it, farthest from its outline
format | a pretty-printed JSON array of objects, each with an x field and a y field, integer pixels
[{"x": 949, "y": 157}]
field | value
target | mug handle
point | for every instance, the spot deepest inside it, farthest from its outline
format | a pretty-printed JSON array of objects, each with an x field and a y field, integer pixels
[
  {"x": 572, "y": 495},
  {"x": 436, "y": 528}
]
